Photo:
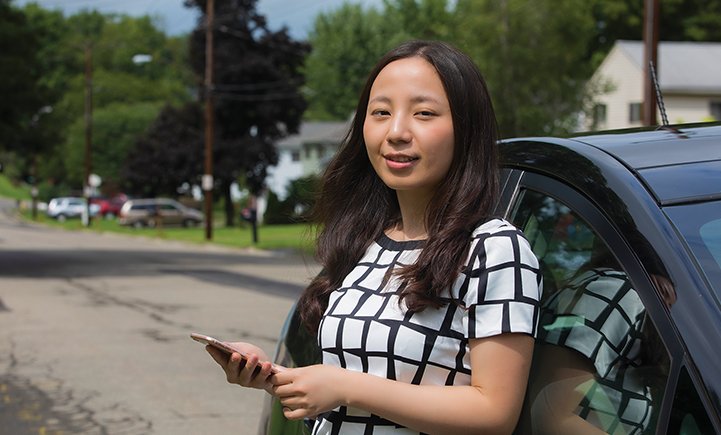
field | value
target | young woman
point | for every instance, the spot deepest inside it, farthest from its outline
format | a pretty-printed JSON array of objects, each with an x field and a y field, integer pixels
[{"x": 427, "y": 311}]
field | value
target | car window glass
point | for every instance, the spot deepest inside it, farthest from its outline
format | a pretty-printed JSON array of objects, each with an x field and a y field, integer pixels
[
  {"x": 598, "y": 362},
  {"x": 700, "y": 226},
  {"x": 169, "y": 207},
  {"x": 688, "y": 416}
]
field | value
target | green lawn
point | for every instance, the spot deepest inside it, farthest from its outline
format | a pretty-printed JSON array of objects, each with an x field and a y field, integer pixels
[
  {"x": 295, "y": 237},
  {"x": 9, "y": 190}
]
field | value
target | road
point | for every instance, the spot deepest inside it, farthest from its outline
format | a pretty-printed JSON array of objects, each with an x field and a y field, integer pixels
[{"x": 95, "y": 331}]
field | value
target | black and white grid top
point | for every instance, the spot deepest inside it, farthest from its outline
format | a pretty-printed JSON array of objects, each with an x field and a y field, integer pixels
[
  {"x": 365, "y": 330},
  {"x": 601, "y": 316}
]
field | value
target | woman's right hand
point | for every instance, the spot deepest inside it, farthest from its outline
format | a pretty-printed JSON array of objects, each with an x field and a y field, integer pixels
[{"x": 245, "y": 375}]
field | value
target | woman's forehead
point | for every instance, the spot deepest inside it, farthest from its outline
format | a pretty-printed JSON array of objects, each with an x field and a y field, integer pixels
[{"x": 410, "y": 75}]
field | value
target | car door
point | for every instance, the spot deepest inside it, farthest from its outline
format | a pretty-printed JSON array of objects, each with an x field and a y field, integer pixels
[
  {"x": 607, "y": 359},
  {"x": 171, "y": 214}
]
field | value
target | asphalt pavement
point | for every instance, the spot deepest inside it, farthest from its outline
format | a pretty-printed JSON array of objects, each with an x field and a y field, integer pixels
[{"x": 95, "y": 330}]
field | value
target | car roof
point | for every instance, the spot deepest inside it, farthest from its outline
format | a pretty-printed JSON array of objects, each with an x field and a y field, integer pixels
[
  {"x": 150, "y": 200},
  {"x": 678, "y": 164},
  {"x": 646, "y": 148}
]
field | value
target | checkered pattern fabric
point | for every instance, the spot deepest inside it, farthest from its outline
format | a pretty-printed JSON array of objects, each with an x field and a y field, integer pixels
[
  {"x": 364, "y": 328},
  {"x": 599, "y": 315}
]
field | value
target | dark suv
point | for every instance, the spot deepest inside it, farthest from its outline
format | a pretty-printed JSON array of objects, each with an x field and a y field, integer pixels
[{"x": 626, "y": 226}]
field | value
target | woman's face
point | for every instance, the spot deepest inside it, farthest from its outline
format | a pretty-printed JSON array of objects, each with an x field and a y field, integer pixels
[{"x": 408, "y": 129}]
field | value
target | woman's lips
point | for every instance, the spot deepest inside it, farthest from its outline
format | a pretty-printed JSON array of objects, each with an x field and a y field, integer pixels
[{"x": 399, "y": 161}]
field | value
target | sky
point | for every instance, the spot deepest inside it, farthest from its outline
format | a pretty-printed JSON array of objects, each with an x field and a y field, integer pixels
[{"x": 297, "y": 15}]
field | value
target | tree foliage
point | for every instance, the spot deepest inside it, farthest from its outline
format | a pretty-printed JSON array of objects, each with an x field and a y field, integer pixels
[
  {"x": 529, "y": 53},
  {"x": 169, "y": 154},
  {"x": 48, "y": 118},
  {"x": 295, "y": 208},
  {"x": 257, "y": 77},
  {"x": 679, "y": 20},
  {"x": 346, "y": 44},
  {"x": 20, "y": 73},
  {"x": 536, "y": 55}
]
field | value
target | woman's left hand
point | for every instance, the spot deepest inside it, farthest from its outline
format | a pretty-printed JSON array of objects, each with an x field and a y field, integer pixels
[{"x": 308, "y": 391}]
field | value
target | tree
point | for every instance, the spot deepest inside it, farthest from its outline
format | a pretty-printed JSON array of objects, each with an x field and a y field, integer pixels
[
  {"x": 20, "y": 72},
  {"x": 168, "y": 155},
  {"x": 258, "y": 74},
  {"x": 530, "y": 54},
  {"x": 127, "y": 97},
  {"x": 296, "y": 207},
  {"x": 679, "y": 20},
  {"x": 115, "y": 127},
  {"x": 346, "y": 44}
]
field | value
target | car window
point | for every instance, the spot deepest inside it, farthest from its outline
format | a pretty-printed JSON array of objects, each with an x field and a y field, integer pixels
[
  {"x": 688, "y": 416},
  {"x": 169, "y": 207},
  {"x": 700, "y": 226},
  {"x": 599, "y": 362}
]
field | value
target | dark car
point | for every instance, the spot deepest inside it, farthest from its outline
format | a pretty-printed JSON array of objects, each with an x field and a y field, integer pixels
[{"x": 626, "y": 226}]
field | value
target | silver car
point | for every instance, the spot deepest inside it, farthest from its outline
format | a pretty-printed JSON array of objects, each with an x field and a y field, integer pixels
[
  {"x": 150, "y": 212},
  {"x": 66, "y": 207}
]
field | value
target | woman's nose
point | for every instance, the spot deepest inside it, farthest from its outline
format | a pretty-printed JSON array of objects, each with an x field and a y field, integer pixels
[{"x": 399, "y": 130}]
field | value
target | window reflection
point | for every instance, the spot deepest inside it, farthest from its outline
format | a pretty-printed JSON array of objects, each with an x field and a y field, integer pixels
[{"x": 599, "y": 364}]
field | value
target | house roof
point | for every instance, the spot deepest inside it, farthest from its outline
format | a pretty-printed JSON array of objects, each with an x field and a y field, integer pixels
[
  {"x": 331, "y": 132},
  {"x": 682, "y": 66}
]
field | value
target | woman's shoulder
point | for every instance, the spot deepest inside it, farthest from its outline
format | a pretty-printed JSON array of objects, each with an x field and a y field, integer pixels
[
  {"x": 495, "y": 225},
  {"x": 497, "y": 237}
]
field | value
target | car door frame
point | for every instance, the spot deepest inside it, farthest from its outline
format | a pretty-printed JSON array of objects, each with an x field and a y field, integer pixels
[{"x": 516, "y": 180}]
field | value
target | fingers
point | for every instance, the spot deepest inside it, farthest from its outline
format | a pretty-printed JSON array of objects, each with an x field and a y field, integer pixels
[
  {"x": 220, "y": 357},
  {"x": 247, "y": 373},
  {"x": 297, "y": 414}
]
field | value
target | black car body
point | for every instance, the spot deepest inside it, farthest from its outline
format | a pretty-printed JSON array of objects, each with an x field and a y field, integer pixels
[{"x": 642, "y": 210}]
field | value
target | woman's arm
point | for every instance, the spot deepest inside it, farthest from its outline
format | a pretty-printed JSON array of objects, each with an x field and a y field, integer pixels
[
  {"x": 560, "y": 382},
  {"x": 492, "y": 404}
]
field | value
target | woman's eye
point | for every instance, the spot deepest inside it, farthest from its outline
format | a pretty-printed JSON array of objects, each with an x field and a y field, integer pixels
[
  {"x": 380, "y": 112},
  {"x": 426, "y": 113}
]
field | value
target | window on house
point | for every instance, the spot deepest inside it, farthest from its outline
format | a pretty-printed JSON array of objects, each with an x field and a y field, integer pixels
[
  {"x": 307, "y": 151},
  {"x": 295, "y": 156},
  {"x": 635, "y": 112},
  {"x": 599, "y": 114},
  {"x": 716, "y": 110},
  {"x": 321, "y": 151}
]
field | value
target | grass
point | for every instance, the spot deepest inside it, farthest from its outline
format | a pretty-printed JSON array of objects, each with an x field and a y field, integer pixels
[
  {"x": 293, "y": 237},
  {"x": 9, "y": 190}
]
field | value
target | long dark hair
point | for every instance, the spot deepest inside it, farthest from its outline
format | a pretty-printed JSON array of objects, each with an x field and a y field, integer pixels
[{"x": 354, "y": 206}]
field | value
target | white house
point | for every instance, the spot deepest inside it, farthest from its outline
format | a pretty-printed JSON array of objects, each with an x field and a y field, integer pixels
[
  {"x": 306, "y": 153},
  {"x": 689, "y": 75}
]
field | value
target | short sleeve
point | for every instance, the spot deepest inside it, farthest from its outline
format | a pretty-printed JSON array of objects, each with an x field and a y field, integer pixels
[
  {"x": 501, "y": 284},
  {"x": 599, "y": 315}
]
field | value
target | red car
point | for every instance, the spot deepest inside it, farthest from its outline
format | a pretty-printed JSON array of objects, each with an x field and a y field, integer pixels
[{"x": 111, "y": 207}]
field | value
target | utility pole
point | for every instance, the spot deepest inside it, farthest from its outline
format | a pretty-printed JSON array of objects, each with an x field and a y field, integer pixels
[
  {"x": 207, "y": 182},
  {"x": 650, "y": 43},
  {"x": 88, "y": 123}
]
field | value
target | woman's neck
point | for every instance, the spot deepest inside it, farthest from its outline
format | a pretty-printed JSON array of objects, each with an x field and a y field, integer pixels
[{"x": 412, "y": 225}]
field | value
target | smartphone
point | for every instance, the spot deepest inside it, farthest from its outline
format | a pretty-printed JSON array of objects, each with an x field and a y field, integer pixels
[{"x": 204, "y": 339}]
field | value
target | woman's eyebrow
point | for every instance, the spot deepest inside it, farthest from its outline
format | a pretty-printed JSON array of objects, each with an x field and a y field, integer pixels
[
  {"x": 380, "y": 99},
  {"x": 424, "y": 99},
  {"x": 415, "y": 100}
]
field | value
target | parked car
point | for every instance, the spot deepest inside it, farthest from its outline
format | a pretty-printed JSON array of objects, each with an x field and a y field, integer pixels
[
  {"x": 149, "y": 212},
  {"x": 110, "y": 207},
  {"x": 66, "y": 207},
  {"x": 626, "y": 226}
]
